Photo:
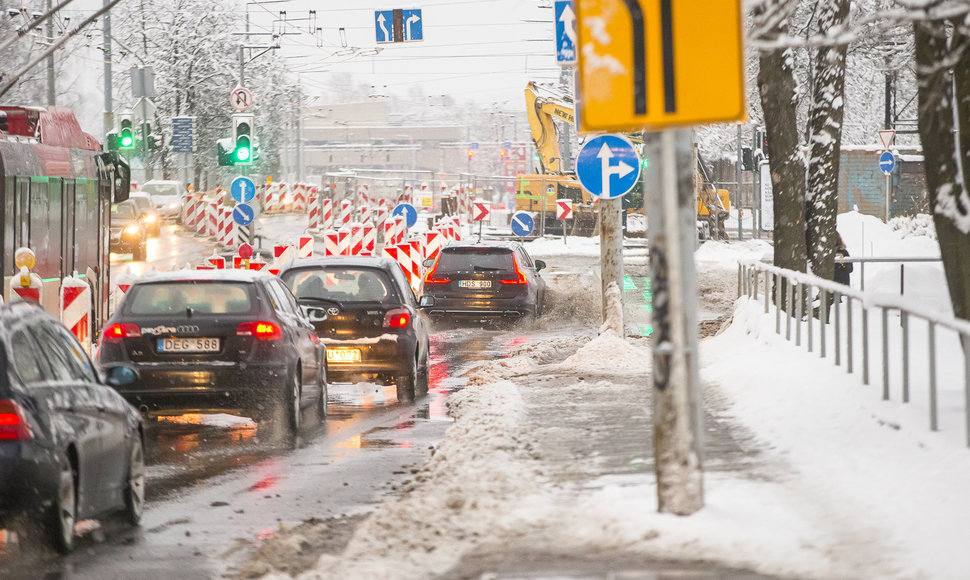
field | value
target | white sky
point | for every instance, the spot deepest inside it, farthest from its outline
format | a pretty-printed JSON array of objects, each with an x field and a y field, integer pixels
[{"x": 484, "y": 50}]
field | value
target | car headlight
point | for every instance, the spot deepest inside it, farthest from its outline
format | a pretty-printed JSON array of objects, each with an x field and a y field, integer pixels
[
  {"x": 131, "y": 229},
  {"x": 172, "y": 205},
  {"x": 150, "y": 218}
]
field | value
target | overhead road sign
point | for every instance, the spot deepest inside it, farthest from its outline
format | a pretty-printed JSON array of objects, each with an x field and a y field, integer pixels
[
  {"x": 243, "y": 214},
  {"x": 565, "y": 21},
  {"x": 887, "y": 162},
  {"x": 886, "y": 137},
  {"x": 241, "y": 99},
  {"x": 658, "y": 63},
  {"x": 183, "y": 134},
  {"x": 608, "y": 166},
  {"x": 522, "y": 223},
  {"x": 399, "y": 25},
  {"x": 242, "y": 189},
  {"x": 408, "y": 211}
]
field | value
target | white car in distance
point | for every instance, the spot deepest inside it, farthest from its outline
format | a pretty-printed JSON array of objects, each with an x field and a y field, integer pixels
[{"x": 167, "y": 196}]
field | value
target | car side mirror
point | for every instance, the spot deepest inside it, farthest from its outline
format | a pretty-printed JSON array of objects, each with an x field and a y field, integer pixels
[
  {"x": 426, "y": 301},
  {"x": 315, "y": 314},
  {"x": 540, "y": 265},
  {"x": 121, "y": 376}
]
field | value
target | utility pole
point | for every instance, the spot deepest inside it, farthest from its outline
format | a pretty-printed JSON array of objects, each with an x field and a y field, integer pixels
[
  {"x": 49, "y": 33},
  {"x": 737, "y": 201},
  {"x": 677, "y": 420},
  {"x": 109, "y": 121}
]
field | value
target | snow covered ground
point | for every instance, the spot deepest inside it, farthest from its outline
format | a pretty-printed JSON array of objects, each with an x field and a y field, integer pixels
[{"x": 844, "y": 485}]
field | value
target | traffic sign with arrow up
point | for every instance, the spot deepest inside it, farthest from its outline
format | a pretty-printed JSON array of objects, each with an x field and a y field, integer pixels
[
  {"x": 608, "y": 166},
  {"x": 565, "y": 32}
]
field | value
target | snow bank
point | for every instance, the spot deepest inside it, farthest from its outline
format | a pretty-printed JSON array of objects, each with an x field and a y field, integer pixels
[
  {"x": 608, "y": 353},
  {"x": 476, "y": 485}
]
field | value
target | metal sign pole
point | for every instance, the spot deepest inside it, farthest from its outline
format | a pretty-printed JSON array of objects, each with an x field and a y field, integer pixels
[
  {"x": 677, "y": 407},
  {"x": 611, "y": 250}
]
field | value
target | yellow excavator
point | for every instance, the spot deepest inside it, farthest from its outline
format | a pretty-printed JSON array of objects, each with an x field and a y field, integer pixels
[{"x": 537, "y": 192}]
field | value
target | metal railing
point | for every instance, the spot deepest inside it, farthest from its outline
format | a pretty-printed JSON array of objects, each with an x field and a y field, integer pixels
[
  {"x": 892, "y": 260},
  {"x": 792, "y": 296}
]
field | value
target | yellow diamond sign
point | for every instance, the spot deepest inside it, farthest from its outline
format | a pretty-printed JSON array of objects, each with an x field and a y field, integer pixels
[{"x": 659, "y": 63}]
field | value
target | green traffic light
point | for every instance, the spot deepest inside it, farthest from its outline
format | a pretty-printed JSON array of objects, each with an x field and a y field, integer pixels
[
  {"x": 242, "y": 154},
  {"x": 127, "y": 141}
]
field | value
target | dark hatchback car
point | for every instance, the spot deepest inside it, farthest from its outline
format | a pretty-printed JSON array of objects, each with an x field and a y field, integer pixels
[
  {"x": 205, "y": 341},
  {"x": 71, "y": 448},
  {"x": 364, "y": 310},
  {"x": 128, "y": 235},
  {"x": 484, "y": 281}
]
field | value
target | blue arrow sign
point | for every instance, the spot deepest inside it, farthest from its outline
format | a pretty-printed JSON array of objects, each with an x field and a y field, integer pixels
[
  {"x": 413, "y": 27},
  {"x": 407, "y": 210},
  {"x": 608, "y": 166},
  {"x": 242, "y": 189},
  {"x": 243, "y": 214},
  {"x": 565, "y": 32},
  {"x": 887, "y": 162},
  {"x": 522, "y": 223},
  {"x": 384, "y": 25}
]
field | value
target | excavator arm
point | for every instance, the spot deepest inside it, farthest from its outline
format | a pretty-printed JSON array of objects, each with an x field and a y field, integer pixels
[{"x": 543, "y": 113}]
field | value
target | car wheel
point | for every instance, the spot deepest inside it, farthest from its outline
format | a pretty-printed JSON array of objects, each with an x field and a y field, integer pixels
[
  {"x": 64, "y": 510},
  {"x": 322, "y": 400},
  {"x": 135, "y": 483},
  {"x": 406, "y": 383},
  {"x": 291, "y": 404}
]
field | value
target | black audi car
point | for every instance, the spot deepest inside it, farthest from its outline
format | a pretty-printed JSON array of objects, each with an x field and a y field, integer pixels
[
  {"x": 483, "y": 281},
  {"x": 217, "y": 340},
  {"x": 367, "y": 315},
  {"x": 71, "y": 448}
]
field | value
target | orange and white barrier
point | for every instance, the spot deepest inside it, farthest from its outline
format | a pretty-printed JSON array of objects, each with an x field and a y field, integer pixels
[
  {"x": 370, "y": 240},
  {"x": 343, "y": 242},
  {"x": 26, "y": 286},
  {"x": 356, "y": 238},
  {"x": 283, "y": 254},
  {"x": 432, "y": 245},
  {"x": 75, "y": 305},
  {"x": 314, "y": 211},
  {"x": 346, "y": 208}
]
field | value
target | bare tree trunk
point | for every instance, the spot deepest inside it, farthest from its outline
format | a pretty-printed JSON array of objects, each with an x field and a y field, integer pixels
[
  {"x": 825, "y": 125},
  {"x": 948, "y": 195},
  {"x": 961, "y": 78},
  {"x": 777, "y": 87}
]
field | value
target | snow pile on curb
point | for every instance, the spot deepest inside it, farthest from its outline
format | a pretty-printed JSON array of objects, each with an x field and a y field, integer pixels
[
  {"x": 475, "y": 486},
  {"x": 608, "y": 353}
]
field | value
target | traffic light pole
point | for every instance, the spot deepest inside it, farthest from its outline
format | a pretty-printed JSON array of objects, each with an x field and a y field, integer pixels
[{"x": 677, "y": 420}]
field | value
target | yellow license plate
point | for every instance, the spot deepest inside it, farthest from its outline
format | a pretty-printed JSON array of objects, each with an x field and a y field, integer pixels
[{"x": 343, "y": 355}]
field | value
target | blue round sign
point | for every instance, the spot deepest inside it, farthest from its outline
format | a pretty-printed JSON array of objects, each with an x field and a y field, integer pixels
[
  {"x": 608, "y": 166},
  {"x": 242, "y": 189},
  {"x": 887, "y": 162},
  {"x": 407, "y": 210},
  {"x": 522, "y": 223},
  {"x": 243, "y": 214}
]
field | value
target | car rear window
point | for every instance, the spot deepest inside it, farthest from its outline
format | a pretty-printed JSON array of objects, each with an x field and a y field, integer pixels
[
  {"x": 123, "y": 211},
  {"x": 203, "y": 297},
  {"x": 476, "y": 259},
  {"x": 343, "y": 284},
  {"x": 160, "y": 189},
  {"x": 142, "y": 203}
]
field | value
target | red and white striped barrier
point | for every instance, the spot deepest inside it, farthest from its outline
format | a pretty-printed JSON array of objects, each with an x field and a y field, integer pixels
[
  {"x": 188, "y": 210},
  {"x": 202, "y": 215},
  {"x": 432, "y": 245},
  {"x": 417, "y": 268},
  {"x": 314, "y": 211},
  {"x": 363, "y": 194},
  {"x": 356, "y": 238},
  {"x": 75, "y": 306},
  {"x": 283, "y": 254},
  {"x": 326, "y": 213},
  {"x": 299, "y": 199},
  {"x": 217, "y": 262},
  {"x": 26, "y": 285},
  {"x": 305, "y": 249},
  {"x": 343, "y": 242},
  {"x": 256, "y": 265},
  {"x": 370, "y": 240},
  {"x": 343, "y": 219},
  {"x": 226, "y": 239},
  {"x": 331, "y": 243},
  {"x": 363, "y": 213},
  {"x": 404, "y": 260}
]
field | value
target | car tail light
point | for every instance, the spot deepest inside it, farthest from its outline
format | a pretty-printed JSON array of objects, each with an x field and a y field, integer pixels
[
  {"x": 13, "y": 423},
  {"x": 397, "y": 318},
  {"x": 429, "y": 277},
  {"x": 115, "y": 332},
  {"x": 261, "y": 330},
  {"x": 519, "y": 276}
]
